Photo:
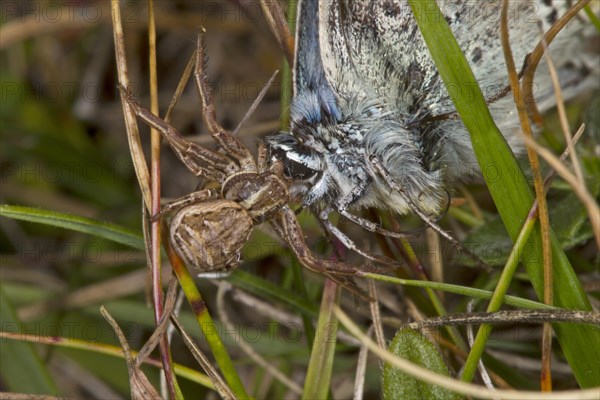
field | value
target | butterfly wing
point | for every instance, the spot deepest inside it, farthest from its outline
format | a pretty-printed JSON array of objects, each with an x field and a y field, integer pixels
[
  {"x": 366, "y": 87},
  {"x": 313, "y": 95},
  {"x": 375, "y": 48}
]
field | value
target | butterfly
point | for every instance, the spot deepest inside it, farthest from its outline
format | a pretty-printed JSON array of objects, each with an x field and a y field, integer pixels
[{"x": 367, "y": 94}]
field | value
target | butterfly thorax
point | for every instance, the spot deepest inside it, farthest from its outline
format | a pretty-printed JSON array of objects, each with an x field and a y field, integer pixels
[{"x": 329, "y": 157}]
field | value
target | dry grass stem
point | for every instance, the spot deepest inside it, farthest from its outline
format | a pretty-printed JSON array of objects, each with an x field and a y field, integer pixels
[
  {"x": 540, "y": 193},
  {"x": 483, "y": 372},
  {"x": 581, "y": 191},
  {"x": 220, "y": 385},
  {"x": 141, "y": 388},
  {"x": 247, "y": 349},
  {"x": 375, "y": 313},
  {"x": 133, "y": 134}
]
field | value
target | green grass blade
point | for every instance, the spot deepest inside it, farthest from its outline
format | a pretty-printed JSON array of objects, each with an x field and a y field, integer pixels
[
  {"x": 318, "y": 376},
  {"x": 21, "y": 368},
  {"x": 90, "y": 226},
  {"x": 478, "y": 346},
  {"x": 509, "y": 189}
]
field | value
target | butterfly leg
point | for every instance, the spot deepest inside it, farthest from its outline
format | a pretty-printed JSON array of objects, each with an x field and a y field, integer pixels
[
  {"x": 346, "y": 241},
  {"x": 373, "y": 227},
  {"x": 424, "y": 217}
]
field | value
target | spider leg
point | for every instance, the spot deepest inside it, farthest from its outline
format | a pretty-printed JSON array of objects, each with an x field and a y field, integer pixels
[
  {"x": 264, "y": 164},
  {"x": 199, "y": 160},
  {"x": 286, "y": 225},
  {"x": 346, "y": 241},
  {"x": 262, "y": 157},
  {"x": 226, "y": 140},
  {"x": 194, "y": 197}
]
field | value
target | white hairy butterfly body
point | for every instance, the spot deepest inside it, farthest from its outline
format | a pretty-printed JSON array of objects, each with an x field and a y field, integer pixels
[{"x": 366, "y": 88}]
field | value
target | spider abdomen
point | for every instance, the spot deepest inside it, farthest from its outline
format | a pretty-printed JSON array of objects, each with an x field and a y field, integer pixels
[{"x": 209, "y": 236}]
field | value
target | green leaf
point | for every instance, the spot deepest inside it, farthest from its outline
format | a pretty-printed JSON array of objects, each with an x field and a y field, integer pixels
[
  {"x": 567, "y": 215},
  {"x": 21, "y": 368},
  {"x": 510, "y": 191},
  {"x": 90, "y": 226},
  {"x": 571, "y": 221},
  {"x": 413, "y": 346},
  {"x": 490, "y": 242}
]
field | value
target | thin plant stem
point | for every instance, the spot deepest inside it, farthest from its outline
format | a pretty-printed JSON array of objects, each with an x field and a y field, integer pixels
[
  {"x": 411, "y": 258},
  {"x": 456, "y": 289},
  {"x": 107, "y": 349},
  {"x": 497, "y": 299},
  {"x": 593, "y": 17},
  {"x": 247, "y": 348},
  {"x": 133, "y": 135},
  {"x": 538, "y": 52},
  {"x": 155, "y": 263},
  {"x": 539, "y": 194}
]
